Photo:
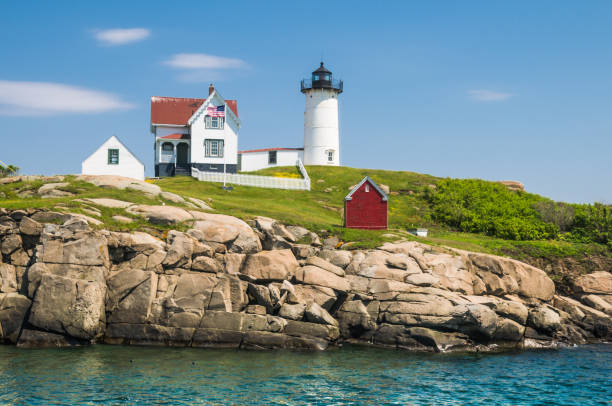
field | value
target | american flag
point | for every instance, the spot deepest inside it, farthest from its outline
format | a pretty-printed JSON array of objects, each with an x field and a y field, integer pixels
[{"x": 218, "y": 111}]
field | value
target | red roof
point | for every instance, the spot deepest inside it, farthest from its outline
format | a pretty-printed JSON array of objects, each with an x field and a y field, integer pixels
[
  {"x": 177, "y": 136},
  {"x": 270, "y": 149},
  {"x": 178, "y": 110}
]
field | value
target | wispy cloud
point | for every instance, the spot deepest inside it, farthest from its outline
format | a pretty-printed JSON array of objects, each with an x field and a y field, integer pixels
[
  {"x": 200, "y": 68},
  {"x": 121, "y": 36},
  {"x": 204, "y": 61},
  {"x": 488, "y": 95},
  {"x": 45, "y": 98}
]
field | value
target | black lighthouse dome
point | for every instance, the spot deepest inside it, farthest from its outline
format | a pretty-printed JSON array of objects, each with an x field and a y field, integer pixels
[{"x": 321, "y": 79}]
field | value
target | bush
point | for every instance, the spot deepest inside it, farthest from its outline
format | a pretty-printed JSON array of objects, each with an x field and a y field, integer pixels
[
  {"x": 478, "y": 206},
  {"x": 8, "y": 170}
]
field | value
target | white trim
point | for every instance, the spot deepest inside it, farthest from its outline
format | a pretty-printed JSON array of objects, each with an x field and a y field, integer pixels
[
  {"x": 371, "y": 182},
  {"x": 202, "y": 109}
]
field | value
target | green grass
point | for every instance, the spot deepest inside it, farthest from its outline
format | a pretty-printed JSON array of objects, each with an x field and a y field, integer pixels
[{"x": 319, "y": 210}]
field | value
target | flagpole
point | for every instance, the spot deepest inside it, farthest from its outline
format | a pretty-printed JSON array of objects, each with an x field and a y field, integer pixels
[{"x": 224, "y": 154}]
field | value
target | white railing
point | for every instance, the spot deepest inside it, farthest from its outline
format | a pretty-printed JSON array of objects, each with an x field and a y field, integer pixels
[{"x": 256, "y": 180}]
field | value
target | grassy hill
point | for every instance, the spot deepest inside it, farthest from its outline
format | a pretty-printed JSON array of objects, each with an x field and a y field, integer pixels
[
  {"x": 467, "y": 214},
  {"x": 475, "y": 215}
]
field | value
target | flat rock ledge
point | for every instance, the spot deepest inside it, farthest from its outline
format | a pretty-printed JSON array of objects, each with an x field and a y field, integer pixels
[{"x": 226, "y": 283}]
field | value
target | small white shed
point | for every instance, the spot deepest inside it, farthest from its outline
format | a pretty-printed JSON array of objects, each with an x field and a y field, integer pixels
[{"x": 113, "y": 158}]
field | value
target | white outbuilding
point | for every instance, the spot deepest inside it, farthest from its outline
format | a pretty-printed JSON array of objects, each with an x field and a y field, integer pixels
[{"x": 113, "y": 158}]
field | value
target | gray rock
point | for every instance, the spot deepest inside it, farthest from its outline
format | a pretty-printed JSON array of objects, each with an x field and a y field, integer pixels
[
  {"x": 262, "y": 296},
  {"x": 270, "y": 265},
  {"x": 174, "y": 198},
  {"x": 544, "y": 319},
  {"x": 180, "y": 250},
  {"x": 8, "y": 278},
  {"x": 316, "y": 314},
  {"x": 509, "y": 330},
  {"x": 30, "y": 227},
  {"x": 74, "y": 307},
  {"x": 337, "y": 257},
  {"x": 256, "y": 309},
  {"x": 13, "y": 310},
  {"x": 43, "y": 339},
  {"x": 205, "y": 264},
  {"x": 312, "y": 275},
  {"x": 10, "y": 244},
  {"x": 323, "y": 264},
  {"x": 292, "y": 311}
]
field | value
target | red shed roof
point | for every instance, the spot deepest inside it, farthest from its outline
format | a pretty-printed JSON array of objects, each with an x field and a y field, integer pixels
[
  {"x": 178, "y": 110},
  {"x": 270, "y": 149},
  {"x": 177, "y": 136},
  {"x": 371, "y": 182}
]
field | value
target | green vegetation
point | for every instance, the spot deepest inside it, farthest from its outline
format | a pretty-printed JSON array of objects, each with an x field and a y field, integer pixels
[
  {"x": 473, "y": 215},
  {"x": 476, "y": 206},
  {"x": 8, "y": 170}
]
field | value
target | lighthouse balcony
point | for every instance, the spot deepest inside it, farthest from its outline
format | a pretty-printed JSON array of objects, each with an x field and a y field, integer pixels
[{"x": 334, "y": 84}]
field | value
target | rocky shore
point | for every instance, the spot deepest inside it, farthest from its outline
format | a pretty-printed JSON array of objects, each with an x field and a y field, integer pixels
[{"x": 264, "y": 285}]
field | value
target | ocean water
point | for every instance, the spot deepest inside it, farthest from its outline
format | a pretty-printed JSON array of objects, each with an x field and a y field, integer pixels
[{"x": 117, "y": 375}]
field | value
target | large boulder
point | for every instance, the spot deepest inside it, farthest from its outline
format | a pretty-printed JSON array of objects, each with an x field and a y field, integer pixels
[
  {"x": 91, "y": 249},
  {"x": 312, "y": 275},
  {"x": 180, "y": 249},
  {"x": 65, "y": 305},
  {"x": 228, "y": 230},
  {"x": 509, "y": 276},
  {"x": 120, "y": 182},
  {"x": 8, "y": 278},
  {"x": 275, "y": 265},
  {"x": 13, "y": 310},
  {"x": 160, "y": 214},
  {"x": 595, "y": 283},
  {"x": 544, "y": 319},
  {"x": 316, "y": 314}
]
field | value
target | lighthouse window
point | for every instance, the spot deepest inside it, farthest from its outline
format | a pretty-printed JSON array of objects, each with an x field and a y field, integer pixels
[
  {"x": 330, "y": 156},
  {"x": 214, "y": 122},
  {"x": 213, "y": 148},
  {"x": 315, "y": 77}
]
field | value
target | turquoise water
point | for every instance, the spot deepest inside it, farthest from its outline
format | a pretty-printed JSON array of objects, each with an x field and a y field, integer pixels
[{"x": 351, "y": 375}]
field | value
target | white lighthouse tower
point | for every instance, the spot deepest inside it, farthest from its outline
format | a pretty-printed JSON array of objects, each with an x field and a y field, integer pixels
[{"x": 321, "y": 136}]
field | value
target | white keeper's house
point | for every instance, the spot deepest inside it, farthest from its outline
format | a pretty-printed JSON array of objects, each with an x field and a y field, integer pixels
[
  {"x": 203, "y": 133},
  {"x": 113, "y": 158}
]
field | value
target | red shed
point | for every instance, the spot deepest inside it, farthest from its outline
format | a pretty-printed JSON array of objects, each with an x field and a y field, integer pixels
[{"x": 366, "y": 206}]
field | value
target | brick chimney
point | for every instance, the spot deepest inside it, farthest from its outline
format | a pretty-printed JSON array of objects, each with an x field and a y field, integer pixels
[{"x": 211, "y": 89}]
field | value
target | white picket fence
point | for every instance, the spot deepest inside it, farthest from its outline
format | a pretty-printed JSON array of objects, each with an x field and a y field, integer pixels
[{"x": 256, "y": 180}]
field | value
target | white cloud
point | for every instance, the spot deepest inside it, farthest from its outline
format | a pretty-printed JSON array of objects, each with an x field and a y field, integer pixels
[
  {"x": 121, "y": 36},
  {"x": 45, "y": 98},
  {"x": 489, "y": 95},
  {"x": 204, "y": 61}
]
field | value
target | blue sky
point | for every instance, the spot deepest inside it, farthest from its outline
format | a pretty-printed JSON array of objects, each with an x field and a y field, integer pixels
[{"x": 495, "y": 90}]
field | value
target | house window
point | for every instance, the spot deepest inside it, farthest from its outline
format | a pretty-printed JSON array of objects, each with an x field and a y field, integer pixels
[
  {"x": 167, "y": 152},
  {"x": 213, "y": 148},
  {"x": 215, "y": 123},
  {"x": 330, "y": 156},
  {"x": 367, "y": 188},
  {"x": 113, "y": 157},
  {"x": 271, "y": 157}
]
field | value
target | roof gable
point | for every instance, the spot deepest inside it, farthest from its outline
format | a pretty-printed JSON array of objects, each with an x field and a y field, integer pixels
[
  {"x": 178, "y": 110},
  {"x": 371, "y": 182},
  {"x": 105, "y": 144},
  {"x": 218, "y": 100}
]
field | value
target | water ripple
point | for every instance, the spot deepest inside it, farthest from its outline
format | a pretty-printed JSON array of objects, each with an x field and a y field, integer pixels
[{"x": 349, "y": 376}]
